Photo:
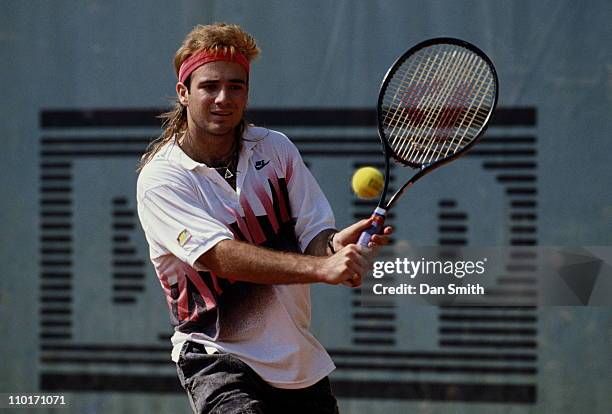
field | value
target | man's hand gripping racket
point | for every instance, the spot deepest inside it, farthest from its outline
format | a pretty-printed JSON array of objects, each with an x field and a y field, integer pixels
[{"x": 434, "y": 104}]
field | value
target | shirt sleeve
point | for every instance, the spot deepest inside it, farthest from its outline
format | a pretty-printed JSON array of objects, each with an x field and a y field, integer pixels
[
  {"x": 309, "y": 205},
  {"x": 175, "y": 222}
]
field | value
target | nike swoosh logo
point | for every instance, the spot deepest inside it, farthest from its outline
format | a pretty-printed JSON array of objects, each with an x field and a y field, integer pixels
[{"x": 260, "y": 164}]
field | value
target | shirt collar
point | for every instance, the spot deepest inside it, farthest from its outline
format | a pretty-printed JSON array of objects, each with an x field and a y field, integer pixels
[{"x": 177, "y": 155}]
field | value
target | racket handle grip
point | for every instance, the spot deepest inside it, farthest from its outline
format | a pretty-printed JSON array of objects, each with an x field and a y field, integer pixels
[{"x": 376, "y": 227}]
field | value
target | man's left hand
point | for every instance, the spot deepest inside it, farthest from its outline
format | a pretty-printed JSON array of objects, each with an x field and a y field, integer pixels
[{"x": 351, "y": 234}]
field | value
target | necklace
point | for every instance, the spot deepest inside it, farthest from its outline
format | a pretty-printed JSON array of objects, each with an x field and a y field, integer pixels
[
  {"x": 225, "y": 166},
  {"x": 228, "y": 170},
  {"x": 229, "y": 167}
]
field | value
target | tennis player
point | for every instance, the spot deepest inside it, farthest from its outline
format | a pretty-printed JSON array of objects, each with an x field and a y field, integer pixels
[{"x": 238, "y": 228}]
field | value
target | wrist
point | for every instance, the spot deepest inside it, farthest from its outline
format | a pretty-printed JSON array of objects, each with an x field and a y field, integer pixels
[
  {"x": 330, "y": 243},
  {"x": 315, "y": 269},
  {"x": 332, "y": 246}
]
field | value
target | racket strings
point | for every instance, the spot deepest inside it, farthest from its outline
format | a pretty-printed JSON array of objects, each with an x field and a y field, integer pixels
[
  {"x": 413, "y": 89},
  {"x": 457, "y": 98},
  {"x": 403, "y": 98},
  {"x": 476, "y": 110},
  {"x": 420, "y": 122},
  {"x": 431, "y": 133},
  {"x": 473, "y": 129},
  {"x": 410, "y": 122},
  {"x": 464, "y": 129},
  {"x": 410, "y": 111},
  {"x": 436, "y": 103},
  {"x": 439, "y": 108}
]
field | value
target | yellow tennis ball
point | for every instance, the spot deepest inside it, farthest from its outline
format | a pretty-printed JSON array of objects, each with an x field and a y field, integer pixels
[{"x": 367, "y": 182}]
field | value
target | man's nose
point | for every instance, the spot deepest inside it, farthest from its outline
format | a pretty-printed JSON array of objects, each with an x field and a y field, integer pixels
[{"x": 223, "y": 95}]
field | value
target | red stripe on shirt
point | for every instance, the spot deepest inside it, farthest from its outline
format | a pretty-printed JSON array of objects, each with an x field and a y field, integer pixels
[
  {"x": 215, "y": 283},
  {"x": 182, "y": 304},
  {"x": 252, "y": 222},
  {"x": 242, "y": 226},
  {"x": 264, "y": 198},
  {"x": 205, "y": 293}
]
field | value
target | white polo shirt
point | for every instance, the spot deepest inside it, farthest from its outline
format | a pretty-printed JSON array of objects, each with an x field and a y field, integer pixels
[{"x": 186, "y": 208}]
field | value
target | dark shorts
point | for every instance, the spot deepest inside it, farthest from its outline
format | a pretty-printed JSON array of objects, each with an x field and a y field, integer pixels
[{"x": 222, "y": 384}]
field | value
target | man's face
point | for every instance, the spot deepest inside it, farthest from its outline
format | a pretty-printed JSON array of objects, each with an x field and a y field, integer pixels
[{"x": 217, "y": 98}]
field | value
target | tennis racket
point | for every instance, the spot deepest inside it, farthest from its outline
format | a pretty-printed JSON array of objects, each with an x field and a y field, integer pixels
[{"x": 434, "y": 104}]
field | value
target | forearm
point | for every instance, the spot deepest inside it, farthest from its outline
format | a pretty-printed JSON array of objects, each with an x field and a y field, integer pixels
[{"x": 245, "y": 262}]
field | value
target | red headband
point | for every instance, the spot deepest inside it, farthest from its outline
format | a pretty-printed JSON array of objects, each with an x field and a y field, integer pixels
[{"x": 198, "y": 59}]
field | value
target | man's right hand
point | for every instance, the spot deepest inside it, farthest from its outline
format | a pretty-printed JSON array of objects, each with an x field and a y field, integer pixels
[{"x": 347, "y": 266}]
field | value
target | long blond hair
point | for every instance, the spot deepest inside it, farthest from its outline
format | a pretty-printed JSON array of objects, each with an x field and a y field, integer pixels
[{"x": 217, "y": 37}]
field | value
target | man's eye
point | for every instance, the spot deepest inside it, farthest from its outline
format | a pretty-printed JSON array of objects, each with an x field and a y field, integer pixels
[{"x": 209, "y": 88}]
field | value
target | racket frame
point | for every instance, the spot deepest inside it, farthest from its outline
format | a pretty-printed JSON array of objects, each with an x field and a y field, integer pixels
[{"x": 388, "y": 151}]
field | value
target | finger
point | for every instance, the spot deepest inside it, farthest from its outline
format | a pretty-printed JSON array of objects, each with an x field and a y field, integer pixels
[
  {"x": 354, "y": 280},
  {"x": 365, "y": 224},
  {"x": 355, "y": 250},
  {"x": 365, "y": 254},
  {"x": 353, "y": 269},
  {"x": 360, "y": 226},
  {"x": 351, "y": 233},
  {"x": 355, "y": 260},
  {"x": 384, "y": 237},
  {"x": 380, "y": 240},
  {"x": 369, "y": 253}
]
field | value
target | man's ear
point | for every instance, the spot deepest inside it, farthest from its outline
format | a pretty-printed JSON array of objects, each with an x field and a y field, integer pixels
[{"x": 182, "y": 92}]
